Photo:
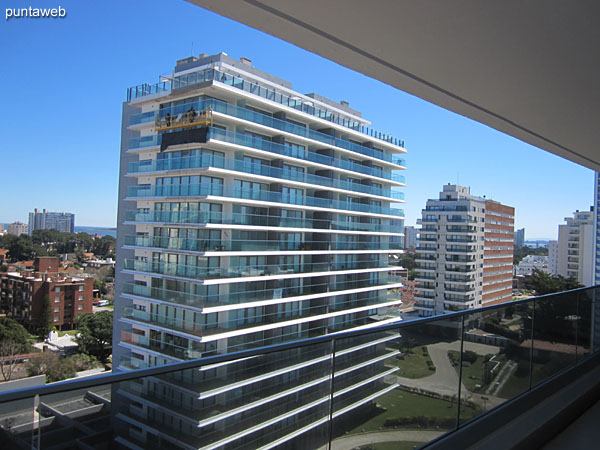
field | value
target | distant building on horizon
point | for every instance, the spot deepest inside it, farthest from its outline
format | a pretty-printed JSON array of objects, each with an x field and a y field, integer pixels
[
  {"x": 576, "y": 247},
  {"x": 464, "y": 252},
  {"x": 410, "y": 237},
  {"x": 17, "y": 229},
  {"x": 520, "y": 237},
  {"x": 44, "y": 220}
]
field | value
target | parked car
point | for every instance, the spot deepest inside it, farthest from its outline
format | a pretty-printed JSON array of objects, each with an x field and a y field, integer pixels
[{"x": 101, "y": 303}]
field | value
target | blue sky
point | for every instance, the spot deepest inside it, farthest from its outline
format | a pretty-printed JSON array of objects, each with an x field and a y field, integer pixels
[{"x": 64, "y": 81}]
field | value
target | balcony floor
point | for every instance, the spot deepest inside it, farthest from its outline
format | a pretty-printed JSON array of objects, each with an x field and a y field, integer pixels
[{"x": 583, "y": 433}]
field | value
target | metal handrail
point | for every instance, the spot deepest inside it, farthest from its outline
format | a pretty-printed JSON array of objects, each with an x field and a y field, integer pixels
[{"x": 99, "y": 380}]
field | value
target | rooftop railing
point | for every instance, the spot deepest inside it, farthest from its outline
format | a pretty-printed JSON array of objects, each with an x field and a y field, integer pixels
[
  {"x": 373, "y": 382},
  {"x": 270, "y": 94}
]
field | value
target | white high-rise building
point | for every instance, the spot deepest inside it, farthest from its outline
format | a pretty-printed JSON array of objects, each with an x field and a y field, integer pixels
[
  {"x": 17, "y": 228},
  {"x": 410, "y": 237},
  {"x": 576, "y": 247},
  {"x": 249, "y": 215},
  {"x": 47, "y": 220},
  {"x": 553, "y": 257},
  {"x": 464, "y": 252}
]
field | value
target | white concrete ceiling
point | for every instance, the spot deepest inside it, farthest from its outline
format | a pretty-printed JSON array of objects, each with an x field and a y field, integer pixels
[{"x": 530, "y": 69}]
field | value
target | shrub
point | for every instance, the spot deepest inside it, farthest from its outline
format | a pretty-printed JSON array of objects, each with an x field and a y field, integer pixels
[{"x": 469, "y": 356}]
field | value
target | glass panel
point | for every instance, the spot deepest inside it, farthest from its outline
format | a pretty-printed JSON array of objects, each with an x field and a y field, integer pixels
[
  {"x": 20, "y": 422},
  {"x": 554, "y": 335},
  {"x": 247, "y": 403},
  {"x": 496, "y": 356},
  {"x": 400, "y": 385},
  {"x": 88, "y": 407},
  {"x": 585, "y": 315}
]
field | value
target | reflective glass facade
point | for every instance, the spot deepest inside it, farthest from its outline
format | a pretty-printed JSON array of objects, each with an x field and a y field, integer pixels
[{"x": 249, "y": 215}]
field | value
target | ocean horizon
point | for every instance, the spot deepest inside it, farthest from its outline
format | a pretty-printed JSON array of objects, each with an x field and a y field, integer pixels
[{"x": 102, "y": 231}]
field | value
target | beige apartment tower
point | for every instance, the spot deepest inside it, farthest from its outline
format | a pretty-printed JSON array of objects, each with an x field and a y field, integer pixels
[{"x": 464, "y": 252}]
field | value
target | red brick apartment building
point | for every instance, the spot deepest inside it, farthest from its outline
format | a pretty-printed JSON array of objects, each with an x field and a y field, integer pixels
[
  {"x": 498, "y": 253},
  {"x": 22, "y": 295}
]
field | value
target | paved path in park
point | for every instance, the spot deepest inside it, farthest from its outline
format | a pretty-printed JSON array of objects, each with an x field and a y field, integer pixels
[
  {"x": 445, "y": 379},
  {"x": 356, "y": 440}
]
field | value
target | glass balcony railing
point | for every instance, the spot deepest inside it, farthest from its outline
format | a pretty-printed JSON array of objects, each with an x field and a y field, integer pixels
[
  {"x": 205, "y": 245},
  {"x": 335, "y": 390},
  {"x": 146, "y": 141},
  {"x": 208, "y": 161},
  {"x": 200, "y": 328},
  {"x": 270, "y": 94},
  {"x": 328, "y": 289},
  {"x": 290, "y": 150},
  {"x": 217, "y": 190},
  {"x": 263, "y": 119},
  {"x": 201, "y": 217},
  {"x": 202, "y": 273},
  {"x": 295, "y": 151}
]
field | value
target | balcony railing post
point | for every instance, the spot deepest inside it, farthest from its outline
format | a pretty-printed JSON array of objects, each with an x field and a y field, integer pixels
[
  {"x": 531, "y": 348},
  {"x": 331, "y": 392},
  {"x": 594, "y": 316},
  {"x": 577, "y": 320},
  {"x": 460, "y": 369}
]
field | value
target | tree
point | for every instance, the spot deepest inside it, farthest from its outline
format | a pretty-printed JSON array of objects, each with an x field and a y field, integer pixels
[
  {"x": 54, "y": 367},
  {"x": 543, "y": 283},
  {"x": 104, "y": 246},
  {"x": 44, "y": 321},
  {"x": 21, "y": 247},
  {"x": 14, "y": 332},
  {"x": 408, "y": 261},
  {"x": 101, "y": 286},
  {"x": 95, "y": 334},
  {"x": 10, "y": 352},
  {"x": 14, "y": 340}
]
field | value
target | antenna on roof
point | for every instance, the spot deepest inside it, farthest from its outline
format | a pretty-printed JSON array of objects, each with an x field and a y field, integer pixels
[{"x": 192, "y": 52}]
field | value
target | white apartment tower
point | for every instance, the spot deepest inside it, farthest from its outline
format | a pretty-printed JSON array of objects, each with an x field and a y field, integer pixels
[
  {"x": 249, "y": 215},
  {"x": 464, "y": 252},
  {"x": 576, "y": 247}
]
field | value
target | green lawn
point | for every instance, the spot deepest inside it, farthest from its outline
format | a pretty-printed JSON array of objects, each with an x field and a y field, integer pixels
[
  {"x": 69, "y": 332},
  {"x": 519, "y": 381},
  {"x": 401, "y": 404},
  {"x": 415, "y": 364},
  {"x": 473, "y": 375}
]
